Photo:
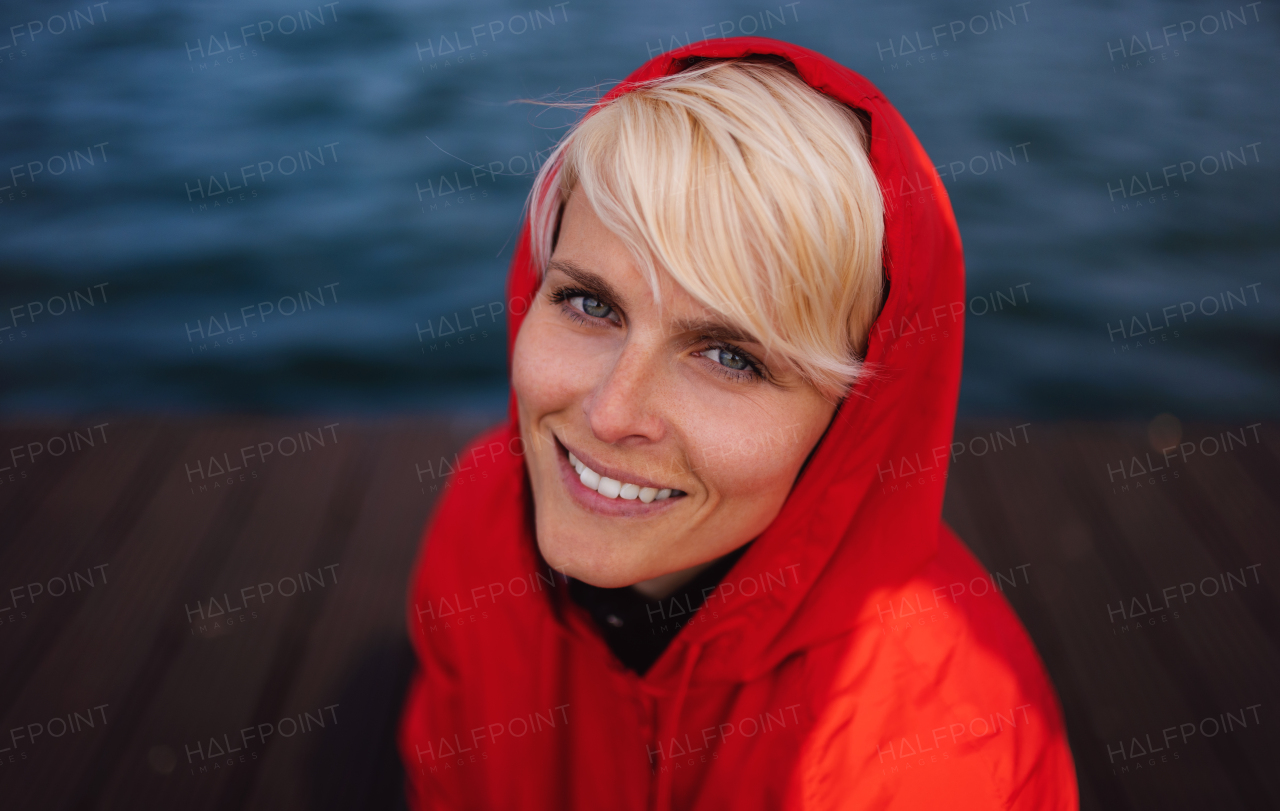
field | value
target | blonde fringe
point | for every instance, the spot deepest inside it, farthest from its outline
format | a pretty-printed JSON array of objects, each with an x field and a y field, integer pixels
[{"x": 752, "y": 190}]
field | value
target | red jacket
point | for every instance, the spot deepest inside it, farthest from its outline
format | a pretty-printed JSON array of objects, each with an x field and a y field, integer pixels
[{"x": 857, "y": 656}]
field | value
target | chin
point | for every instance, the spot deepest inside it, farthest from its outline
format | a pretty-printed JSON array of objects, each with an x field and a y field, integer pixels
[{"x": 587, "y": 560}]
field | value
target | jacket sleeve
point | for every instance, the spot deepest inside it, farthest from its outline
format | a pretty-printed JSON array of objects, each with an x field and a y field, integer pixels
[
  {"x": 430, "y": 780},
  {"x": 956, "y": 714},
  {"x": 430, "y": 714}
]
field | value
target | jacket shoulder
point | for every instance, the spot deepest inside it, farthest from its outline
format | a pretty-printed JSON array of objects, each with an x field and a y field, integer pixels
[{"x": 938, "y": 695}]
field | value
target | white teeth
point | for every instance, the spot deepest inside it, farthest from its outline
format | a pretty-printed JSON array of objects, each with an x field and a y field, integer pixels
[
  {"x": 612, "y": 488},
  {"x": 609, "y": 488}
]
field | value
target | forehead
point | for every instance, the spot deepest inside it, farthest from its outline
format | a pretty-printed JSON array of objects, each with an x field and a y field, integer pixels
[
  {"x": 598, "y": 260},
  {"x": 585, "y": 239}
]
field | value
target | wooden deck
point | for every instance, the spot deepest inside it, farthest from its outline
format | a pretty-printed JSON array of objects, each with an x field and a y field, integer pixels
[{"x": 151, "y": 606}]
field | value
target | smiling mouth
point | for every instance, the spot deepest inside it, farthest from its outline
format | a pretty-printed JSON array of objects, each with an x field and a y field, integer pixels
[{"x": 617, "y": 490}]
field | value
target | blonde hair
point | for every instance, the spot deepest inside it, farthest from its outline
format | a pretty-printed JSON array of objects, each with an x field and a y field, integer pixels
[{"x": 752, "y": 190}]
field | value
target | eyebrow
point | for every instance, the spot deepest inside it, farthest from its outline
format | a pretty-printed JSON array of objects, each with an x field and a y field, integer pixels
[
  {"x": 718, "y": 330},
  {"x": 589, "y": 279},
  {"x": 710, "y": 328}
]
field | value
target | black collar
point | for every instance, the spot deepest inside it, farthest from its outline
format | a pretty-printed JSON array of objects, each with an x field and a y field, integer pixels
[{"x": 638, "y": 629}]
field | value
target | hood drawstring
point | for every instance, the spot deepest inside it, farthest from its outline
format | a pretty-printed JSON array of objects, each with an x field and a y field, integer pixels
[{"x": 661, "y": 797}]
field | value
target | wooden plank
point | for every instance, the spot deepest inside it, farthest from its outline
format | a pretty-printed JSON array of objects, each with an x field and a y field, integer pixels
[
  {"x": 1148, "y": 550},
  {"x": 81, "y": 513},
  {"x": 189, "y": 686},
  {"x": 1128, "y": 684},
  {"x": 222, "y": 664},
  {"x": 358, "y": 656},
  {"x": 116, "y": 633}
]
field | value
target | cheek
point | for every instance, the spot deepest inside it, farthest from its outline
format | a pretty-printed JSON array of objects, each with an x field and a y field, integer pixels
[
  {"x": 545, "y": 375},
  {"x": 749, "y": 461}
]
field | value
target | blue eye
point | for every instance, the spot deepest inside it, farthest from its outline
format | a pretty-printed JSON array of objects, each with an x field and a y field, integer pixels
[
  {"x": 591, "y": 306},
  {"x": 576, "y": 303},
  {"x": 728, "y": 359}
]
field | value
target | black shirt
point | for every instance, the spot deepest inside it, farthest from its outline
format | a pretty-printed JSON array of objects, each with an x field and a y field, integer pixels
[{"x": 638, "y": 629}]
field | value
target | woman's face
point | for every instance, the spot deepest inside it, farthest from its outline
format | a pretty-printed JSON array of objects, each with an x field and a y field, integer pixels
[{"x": 648, "y": 402}]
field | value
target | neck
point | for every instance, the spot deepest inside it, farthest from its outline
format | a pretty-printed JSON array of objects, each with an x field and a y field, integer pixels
[{"x": 665, "y": 585}]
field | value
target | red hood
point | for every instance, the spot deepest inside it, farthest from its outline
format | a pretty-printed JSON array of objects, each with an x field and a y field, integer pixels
[{"x": 858, "y": 518}]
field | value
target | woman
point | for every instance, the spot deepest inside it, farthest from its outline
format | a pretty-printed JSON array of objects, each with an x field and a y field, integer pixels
[{"x": 703, "y": 564}]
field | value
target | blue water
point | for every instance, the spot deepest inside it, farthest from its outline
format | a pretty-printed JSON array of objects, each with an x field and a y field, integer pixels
[{"x": 244, "y": 159}]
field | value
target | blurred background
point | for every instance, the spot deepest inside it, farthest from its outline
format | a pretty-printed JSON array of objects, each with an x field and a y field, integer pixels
[
  {"x": 179, "y": 162},
  {"x": 227, "y": 224}
]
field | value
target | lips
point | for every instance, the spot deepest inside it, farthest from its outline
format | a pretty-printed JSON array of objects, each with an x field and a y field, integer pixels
[
  {"x": 611, "y": 491},
  {"x": 613, "y": 488}
]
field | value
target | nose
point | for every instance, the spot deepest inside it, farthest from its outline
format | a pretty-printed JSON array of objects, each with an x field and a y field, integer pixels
[{"x": 625, "y": 407}]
